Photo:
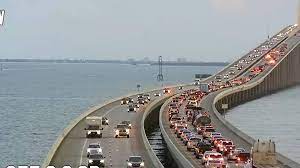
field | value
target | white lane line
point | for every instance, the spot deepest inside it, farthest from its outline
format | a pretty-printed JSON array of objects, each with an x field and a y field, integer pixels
[
  {"x": 81, "y": 157},
  {"x": 82, "y": 152}
]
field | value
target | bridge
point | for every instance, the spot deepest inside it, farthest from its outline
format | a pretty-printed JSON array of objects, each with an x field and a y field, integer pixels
[{"x": 274, "y": 66}]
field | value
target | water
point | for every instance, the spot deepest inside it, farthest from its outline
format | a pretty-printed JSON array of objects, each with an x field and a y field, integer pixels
[
  {"x": 273, "y": 117},
  {"x": 38, "y": 100}
]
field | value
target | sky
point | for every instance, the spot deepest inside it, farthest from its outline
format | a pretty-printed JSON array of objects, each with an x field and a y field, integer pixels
[{"x": 198, "y": 30}]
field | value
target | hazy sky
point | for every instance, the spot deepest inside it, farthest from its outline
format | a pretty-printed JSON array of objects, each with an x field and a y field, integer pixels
[{"x": 203, "y": 30}]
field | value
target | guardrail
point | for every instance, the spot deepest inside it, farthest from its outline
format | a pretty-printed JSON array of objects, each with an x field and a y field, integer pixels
[
  {"x": 154, "y": 159},
  {"x": 74, "y": 122},
  {"x": 176, "y": 154}
]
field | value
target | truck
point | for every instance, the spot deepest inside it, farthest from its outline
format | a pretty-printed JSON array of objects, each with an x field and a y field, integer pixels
[
  {"x": 93, "y": 126},
  {"x": 204, "y": 87}
]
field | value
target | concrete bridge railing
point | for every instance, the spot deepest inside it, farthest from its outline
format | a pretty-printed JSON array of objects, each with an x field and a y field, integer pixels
[
  {"x": 281, "y": 73},
  {"x": 74, "y": 122}
]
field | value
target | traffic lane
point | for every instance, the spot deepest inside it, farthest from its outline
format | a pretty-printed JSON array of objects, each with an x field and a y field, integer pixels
[
  {"x": 188, "y": 155},
  {"x": 192, "y": 128},
  {"x": 69, "y": 151},
  {"x": 247, "y": 66},
  {"x": 118, "y": 150},
  {"x": 107, "y": 136},
  {"x": 207, "y": 104}
]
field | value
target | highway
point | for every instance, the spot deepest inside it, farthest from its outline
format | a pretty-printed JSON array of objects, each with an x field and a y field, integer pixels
[
  {"x": 285, "y": 36},
  {"x": 220, "y": 127},
  {"x": 72, "y": 150}
]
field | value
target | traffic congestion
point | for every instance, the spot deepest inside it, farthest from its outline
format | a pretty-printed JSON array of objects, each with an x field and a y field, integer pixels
[
  {"x": 257, "y": 60},
  {"x": 192, "y": 127}
]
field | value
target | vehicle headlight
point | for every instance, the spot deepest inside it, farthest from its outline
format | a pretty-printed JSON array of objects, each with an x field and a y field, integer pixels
[
  {"x": 106, "y": 121},
  {"x": 100, "y": 150},
  {"x": 89, "y": 132},
  {"x": 102, "y": 160},
  {"x": 142, "y": 164},
  {"x": 117, "y": 131},
  {"x": 98, "y": 132},
  {"x": 127, "y": 131},
  {"x": 88, "y": 150},
  {"x": 129, "y": 164},
  {"x": 90, "y": 161}
]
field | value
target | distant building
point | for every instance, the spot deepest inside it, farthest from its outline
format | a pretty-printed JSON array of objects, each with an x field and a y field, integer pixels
[{"x": 181, "y": 59}]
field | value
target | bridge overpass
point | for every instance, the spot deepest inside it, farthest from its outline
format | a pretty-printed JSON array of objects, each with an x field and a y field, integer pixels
[
  {"x": 70, "y": 147},
  {"x": 276, "y": 75}
]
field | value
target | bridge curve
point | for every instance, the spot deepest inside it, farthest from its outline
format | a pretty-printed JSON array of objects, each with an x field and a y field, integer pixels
[{"x": 278, "y": 76}]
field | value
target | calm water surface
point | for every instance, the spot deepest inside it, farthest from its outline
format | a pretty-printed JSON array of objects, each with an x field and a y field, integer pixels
[
  {"x": 37, "y": 100},
  {"x": 275, "y": 117}
]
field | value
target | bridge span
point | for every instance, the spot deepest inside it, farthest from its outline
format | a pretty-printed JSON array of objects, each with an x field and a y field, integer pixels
[
  {"x": 274, "y": 69},
  {"x": 226, "y": 88}
]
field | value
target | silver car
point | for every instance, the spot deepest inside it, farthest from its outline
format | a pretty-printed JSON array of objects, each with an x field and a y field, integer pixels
[{"x": 135, "y": 161}]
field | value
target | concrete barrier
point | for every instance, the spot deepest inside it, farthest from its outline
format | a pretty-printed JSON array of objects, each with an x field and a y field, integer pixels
[
  {"x": 178, "y": 157},
  {"x": 74, "y": 122},
  {"x": 154, "y": 159}
]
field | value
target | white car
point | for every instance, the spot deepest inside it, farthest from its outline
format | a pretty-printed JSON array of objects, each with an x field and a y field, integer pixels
[
  {"x": 135, "y": 161},
  {"x": 157, "y": 94},
  {"x": 94, "y": 146},
  {"x": 215, "y": 164},
  {"x": 211, "y": 155}
]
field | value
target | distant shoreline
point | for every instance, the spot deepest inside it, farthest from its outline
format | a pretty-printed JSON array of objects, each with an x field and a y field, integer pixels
[{"x": 167, "y": 63}]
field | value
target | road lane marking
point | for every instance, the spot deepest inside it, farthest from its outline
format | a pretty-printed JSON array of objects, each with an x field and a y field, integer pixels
[
  {"x": 82, "y": 151},
  {"x": 81, "y": 157}
]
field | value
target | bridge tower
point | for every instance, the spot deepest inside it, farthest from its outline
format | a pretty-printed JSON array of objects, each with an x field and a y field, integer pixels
[{"x": 160, "y": 76}]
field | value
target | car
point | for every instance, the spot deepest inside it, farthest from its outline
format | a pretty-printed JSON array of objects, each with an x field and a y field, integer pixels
[
  {"x": 178, "y": 128},
  {"x": 135, "y": 161},
  {"x": 185, "y": 133},
  {"x": 96, "y": 159},
  {"x": 125, "y": 100},
  {"x": 201, "y": 147},
  {"x": 226, "y": 76},
  {"x": 105, "y": 121},
  {"x": 215, "y": 164},
  {"x": 218, "y": 77},
  {"x": 240, "y": 68},
  {"x": 147, "y": 96},
  {"x": 141, "y": 101},
  {"x": 93, "y": 146},
  {"x": 122, "y": 130},
  {"x": 181, "y": 133},
  {"x": 181, "y": 122},
  {"x": 173, "y": 120},
  {"x": 225, "y": 146},
  {"x": 207, "y": 132},
  {"x": 157, "y": 94},
  {"x": 233, "y": 153},
  {"x": 242, "y": 157},
  {"x": 167, "y": 90},
  {"x": 180, "y": 87},
  {"x": 127, "y": 123},
  {"x": 211, "y": 155},
  {"x": 131, "y": 108},
  {"x": 136, "y": 105},
  {"x": 192, "y": 142}
]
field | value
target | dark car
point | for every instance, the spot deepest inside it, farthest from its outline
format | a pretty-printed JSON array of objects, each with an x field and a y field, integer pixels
[
  {"x": 202, "y": 147},
  {"x": 96, "y": 159},
  {"x": 242, "y": 157}
]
